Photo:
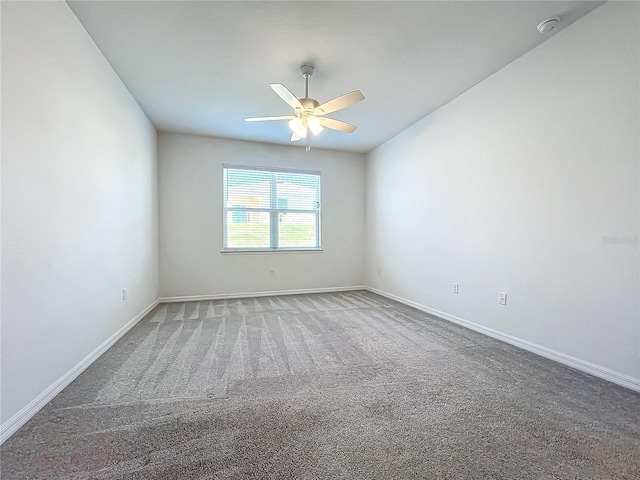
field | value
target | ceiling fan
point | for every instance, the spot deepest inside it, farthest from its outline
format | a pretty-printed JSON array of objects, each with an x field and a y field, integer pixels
[{"x": 308, "y": 114}]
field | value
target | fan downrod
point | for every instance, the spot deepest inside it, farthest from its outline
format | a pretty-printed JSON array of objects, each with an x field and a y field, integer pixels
[{"x": 306, "y": 71}]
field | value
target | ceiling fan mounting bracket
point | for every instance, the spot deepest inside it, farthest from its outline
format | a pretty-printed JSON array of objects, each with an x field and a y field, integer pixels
[{"x": 306, "y": 70}]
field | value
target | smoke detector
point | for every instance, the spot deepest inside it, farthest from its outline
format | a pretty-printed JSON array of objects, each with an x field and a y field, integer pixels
[{"x": 548, "y": 25}]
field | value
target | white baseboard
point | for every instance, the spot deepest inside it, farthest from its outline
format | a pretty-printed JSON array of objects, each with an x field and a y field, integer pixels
[
  {"x": 201, "y": 298},
  {"x": 9, "y": 427},
  {"x": 582, "y": 365},
  {"x": 21, "y": 417}
]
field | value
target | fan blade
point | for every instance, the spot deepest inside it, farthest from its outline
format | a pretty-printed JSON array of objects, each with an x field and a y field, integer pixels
[
  {"x": 285, "y": 94},
  {"x": 262, "y": 119},
  {"x": 337, "y": 125},
  {"x": 338, "y": 103}
]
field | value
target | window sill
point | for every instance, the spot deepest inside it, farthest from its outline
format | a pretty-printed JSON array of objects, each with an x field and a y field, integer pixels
[{"x": 269, "y": 251}]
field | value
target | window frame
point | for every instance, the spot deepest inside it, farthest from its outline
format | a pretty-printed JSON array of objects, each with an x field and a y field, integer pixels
[{"x": 273, "y": 210}]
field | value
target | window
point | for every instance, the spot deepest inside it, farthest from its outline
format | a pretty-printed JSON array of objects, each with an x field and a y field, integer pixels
[{"x": 271, "y": 209}]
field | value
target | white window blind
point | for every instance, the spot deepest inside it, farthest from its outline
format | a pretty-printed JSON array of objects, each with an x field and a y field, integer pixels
[{"x": 271, "y": 209}]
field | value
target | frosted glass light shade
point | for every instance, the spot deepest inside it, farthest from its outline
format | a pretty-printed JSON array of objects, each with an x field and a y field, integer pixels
[
  {"x": 296, "y": 125},
  {"x": 314, "y": 125}
]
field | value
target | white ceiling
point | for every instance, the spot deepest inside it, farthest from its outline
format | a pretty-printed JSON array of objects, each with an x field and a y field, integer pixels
[{"x": 201, "y": 67}]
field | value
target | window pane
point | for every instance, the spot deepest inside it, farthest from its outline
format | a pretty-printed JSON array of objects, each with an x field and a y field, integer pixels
[
  {"x": 297, "y": 230},
  {"x": 247, "y": 229},
  {"x": 271, "y": 209},
  {"x": 247, "y": 188},
  {"x": 297, "y": 191}
]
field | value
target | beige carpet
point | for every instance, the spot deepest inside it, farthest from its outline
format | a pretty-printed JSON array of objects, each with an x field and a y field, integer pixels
[{"x": 344, "y": 385}]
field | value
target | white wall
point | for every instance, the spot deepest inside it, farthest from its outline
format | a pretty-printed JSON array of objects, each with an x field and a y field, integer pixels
[
  {"x": 190, "y": 186},
  {"x": 519, "y": 185},
  {"x": 79, "y": 200}
]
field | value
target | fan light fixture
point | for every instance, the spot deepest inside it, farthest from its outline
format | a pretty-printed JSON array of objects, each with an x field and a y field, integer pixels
[
  {"x": 296, "y": 125},
  {"x": 299, "y": 125},
  {"x": 314, "y": 125},
  {"x": 308, "y": 113}
]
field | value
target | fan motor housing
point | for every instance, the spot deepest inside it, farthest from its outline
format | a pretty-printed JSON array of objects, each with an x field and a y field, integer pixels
[{"x": 308, "y": 105}]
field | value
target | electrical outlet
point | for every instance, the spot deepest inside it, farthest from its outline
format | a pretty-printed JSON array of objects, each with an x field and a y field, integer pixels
[
  {"x": 272, "y": 272},
  {"x": 379, "y": 272},
  {"x": 124, "y": 294},
  {"x": 502, "y": 298},
  {"x": 456, "y": 288}
]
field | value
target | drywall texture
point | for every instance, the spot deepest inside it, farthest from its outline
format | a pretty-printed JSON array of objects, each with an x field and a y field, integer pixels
[
  {"x": 527, "y": 184},
  {"x": 79, "y": 200},
  {"x": 190, "y": 190}
]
